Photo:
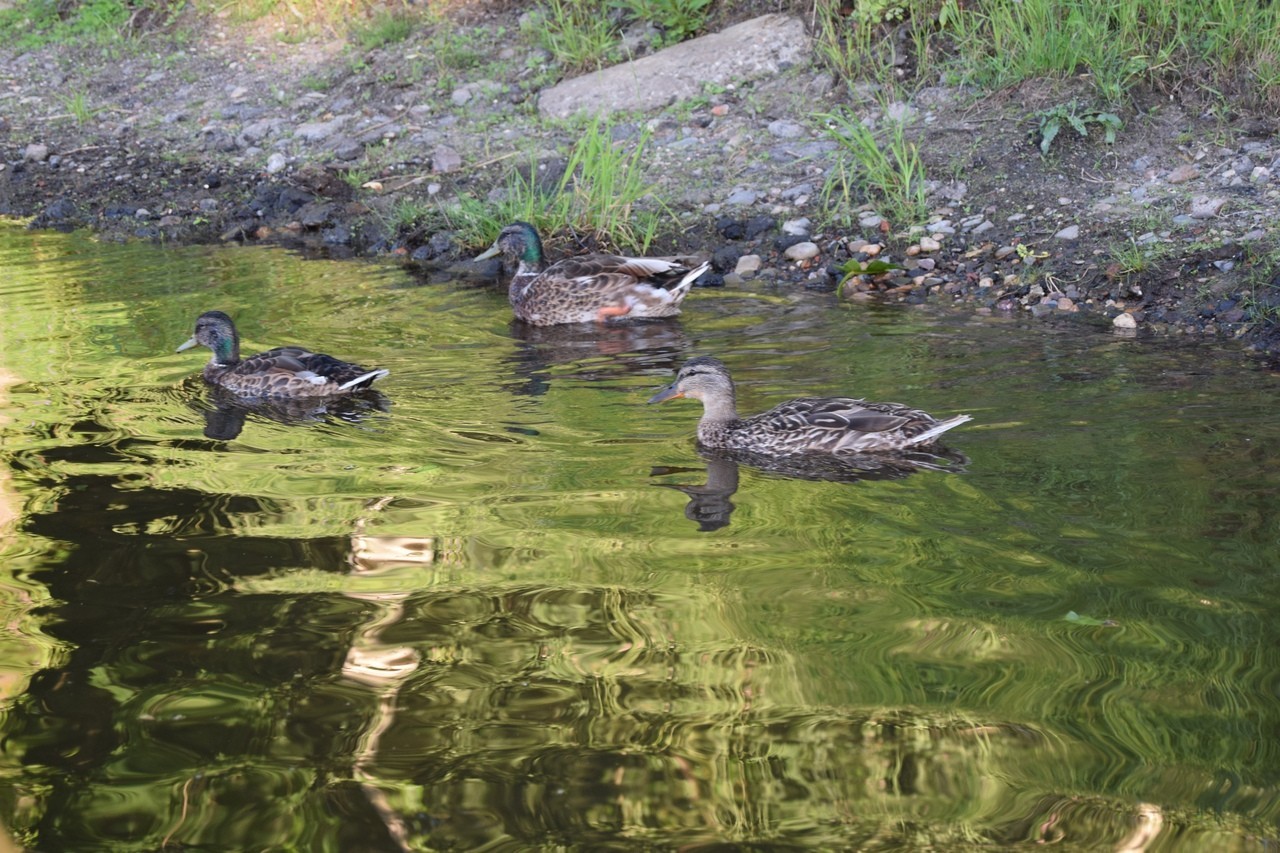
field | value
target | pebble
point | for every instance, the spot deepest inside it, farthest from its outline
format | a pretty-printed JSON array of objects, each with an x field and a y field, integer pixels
[
  {"x": 1182, "y": 174},
  {"x": 870, "y": 221},
  {"x": 36, "y": 153},
  {"x": 784, "y": 129},
  {"x": 985, "y": 226},
  {"x": 1124, "y": 321},
  {"x": 347, "y": 149},
  {"x": 1017, "y": 217},
  {"x": 317, "y": 131},
  {"x": 276, "y": 163},
  {"x": 796, "y": 227},
  {"x": 1071, "y": 232},
  {"x": 930, "y": 244},
  {"x": 802, "y": 251},
  {"x": 1206, "y": 207},
  {"x": 445, "y": 159},
  {"x": 747, "y": 264},
  {"x": 1004, "y": 252},
  {"x": 743, "y": 197},
  {"x": 460, "y": 96}
]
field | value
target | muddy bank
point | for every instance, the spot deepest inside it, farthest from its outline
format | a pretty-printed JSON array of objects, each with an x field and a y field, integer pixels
[{"x": 236, "y": 136}]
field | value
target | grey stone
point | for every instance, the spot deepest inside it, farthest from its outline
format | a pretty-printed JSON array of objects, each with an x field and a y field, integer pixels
[
  {"x": 747, "y": 264},
  {"x": 796, "y": 227},
  {"x": 742, "y": 197},
  {"x": 1071, "y": 232},
  {"x": 259, "y": 130},
  {"x": 784, "y": 129},
  {"x": 756, "y": 48},
  {"x": 275, "y": 163},
  {"x": 36, "y": 152},
  {"x": 460, "y": 96},
  {"x": 444, "y": 159},
  {"x": 318, "y": 131},
  {"x": 345, "y": 148},
  {"x": 802, "y": 251},
  {"x": 1205, "y": 207}
]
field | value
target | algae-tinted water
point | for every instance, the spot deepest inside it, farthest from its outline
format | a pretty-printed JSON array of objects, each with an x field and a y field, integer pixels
[{"x": 506, "y": 605}]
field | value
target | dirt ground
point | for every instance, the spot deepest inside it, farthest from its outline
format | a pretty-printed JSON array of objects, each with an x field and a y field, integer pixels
[{"x": 228, "y": 133}]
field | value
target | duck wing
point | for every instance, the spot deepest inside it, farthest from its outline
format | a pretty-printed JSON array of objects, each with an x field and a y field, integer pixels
[
  {"x": 295, "y": 371},
  {"x": 834, "y": 415},
  {"x": 613, "y": 270}
]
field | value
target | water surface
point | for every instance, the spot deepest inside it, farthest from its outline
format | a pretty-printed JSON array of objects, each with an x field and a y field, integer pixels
[{"x": 507, "y": 605}]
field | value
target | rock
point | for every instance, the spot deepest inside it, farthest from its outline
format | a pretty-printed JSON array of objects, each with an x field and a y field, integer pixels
[
  {"x": 1205, "y": 207},
  {"x": 1071, "y": 232},
  {"x": 258, "y": 130},
  {"x": 753, "y": 49},
  {"x": 36, "y": 152},
  {"x": 796, "y": 227},
  {"x": 742, "y": 197},
  {"x": 1124, "y": 321},
  {"x": 1182, "y": 174},
  {"x": 929, "y": 244},
  {"x": 730, "y": 228},
  {"x": 802, "y": 251},
  {"x": 276, "y": 163},
  {"x": 724, "y": 258},
  {"x": 870, "y": 221},
  {"x": 345, "y": 148},
  {"x": 758, "y": 225},
  {"x": 313, "y": 214},
  {"x": 445, "y": 159},
  {"x": 318, "y": 131},
  {"x": 460, "y": 96},
  {"x": 784, "y": 129},
  {"x": 747, "y": 264}
]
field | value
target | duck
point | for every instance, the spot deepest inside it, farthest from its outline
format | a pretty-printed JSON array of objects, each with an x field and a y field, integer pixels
[
  {"x": 283, "y": 373},
  {"x": 839, "y": 426},
  {"x": 588, "y": 288}
]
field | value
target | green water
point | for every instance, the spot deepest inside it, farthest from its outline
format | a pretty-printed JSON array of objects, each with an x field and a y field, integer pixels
[{"x": 476, "y": 614}]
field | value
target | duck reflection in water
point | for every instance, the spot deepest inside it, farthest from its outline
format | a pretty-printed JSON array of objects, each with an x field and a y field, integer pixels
[
  {"x": 602, "y": 351},
  {"x": 710, "y": 506},
  {"x": 225, "y": 412}
]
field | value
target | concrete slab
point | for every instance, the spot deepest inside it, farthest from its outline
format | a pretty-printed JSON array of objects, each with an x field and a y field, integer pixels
[{"x": 753, "y": 49}]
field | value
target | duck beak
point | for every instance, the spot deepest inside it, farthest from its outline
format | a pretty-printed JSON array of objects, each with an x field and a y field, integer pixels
[
  {"x": 487, "y": 253},
  {"x": 188, "y": 345},
  {"x": 671, "y": 392}
]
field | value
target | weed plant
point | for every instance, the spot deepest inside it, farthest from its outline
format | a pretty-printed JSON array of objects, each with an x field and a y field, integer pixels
[
  {"x": 888, "y": 171},
  {"x": 598, "y": 197}
]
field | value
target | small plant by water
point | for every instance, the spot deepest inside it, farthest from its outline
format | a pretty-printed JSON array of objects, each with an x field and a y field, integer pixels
[
  {"x": 600, "y": 196},
  {"x": 887, "y": 169}
]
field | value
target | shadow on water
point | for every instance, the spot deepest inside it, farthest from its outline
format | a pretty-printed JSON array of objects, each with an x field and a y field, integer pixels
[
  {"x": 710, "y": 508},
  {"x": 225, "y": 413},
  {"x": 595, "y": 351}
]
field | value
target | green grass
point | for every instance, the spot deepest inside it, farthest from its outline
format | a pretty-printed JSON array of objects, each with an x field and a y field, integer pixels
[
  {"x": 383, "y": 28},
  {"x": 576, "y": 33},
  {"x": 886, "y": 168},
  {"x": 1224, "y": 48},
  {"x": 78, "y": 106},
  {"x": 602, "y": 197}
]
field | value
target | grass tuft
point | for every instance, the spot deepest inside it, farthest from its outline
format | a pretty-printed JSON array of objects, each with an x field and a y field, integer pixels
[{"x": 887, "y": 171}]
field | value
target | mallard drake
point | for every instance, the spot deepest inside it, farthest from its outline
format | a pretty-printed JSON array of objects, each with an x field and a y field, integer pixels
[
  {"x": 835, "y": 425},
  {"x": 588, "y": 288},
  {"x": 281, "y": 373}
]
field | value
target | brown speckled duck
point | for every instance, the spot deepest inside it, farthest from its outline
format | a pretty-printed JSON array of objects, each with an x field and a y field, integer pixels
[
  {"x": 280, "y": 374},
  {"x": 835, "y": 425},
  {"x": 588, "y": 288}
]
